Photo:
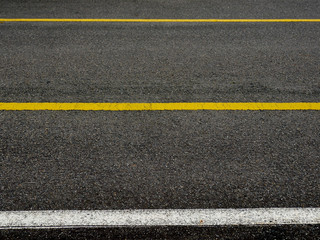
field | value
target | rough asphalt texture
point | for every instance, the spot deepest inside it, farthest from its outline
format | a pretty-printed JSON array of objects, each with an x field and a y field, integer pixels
[
  {"x": 202, "y": 159},
  {"x": 160, "y": 9},
  {"x": 235, "y": 232},
  {"x": 128, "y": 62},
  {"x": 118, "y": 160}
]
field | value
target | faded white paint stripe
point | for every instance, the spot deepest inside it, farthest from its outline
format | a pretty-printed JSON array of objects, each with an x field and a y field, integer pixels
[{"x": 158, "y": 217}]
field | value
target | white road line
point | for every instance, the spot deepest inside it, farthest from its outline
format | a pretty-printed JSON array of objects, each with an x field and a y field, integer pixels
[{"x": 158, "y": 217}]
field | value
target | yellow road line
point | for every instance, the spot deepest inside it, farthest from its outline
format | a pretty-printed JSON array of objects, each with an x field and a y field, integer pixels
[
  {"x": 55, "y": 106},
  {"x": 152, "y": 20}
]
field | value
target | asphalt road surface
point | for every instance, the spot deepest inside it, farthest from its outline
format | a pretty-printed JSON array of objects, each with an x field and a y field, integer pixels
[{"x": 92, "y": 160}]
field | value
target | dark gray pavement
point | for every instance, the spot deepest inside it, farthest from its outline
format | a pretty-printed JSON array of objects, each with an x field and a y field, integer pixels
[
  {"x": 160, "y": 9},
  {"x": 105, "y": 62},
  {"x": 119, "y": 160},
  {"x": 180, "y": 159},
  {"x": 226, "y": 232}
]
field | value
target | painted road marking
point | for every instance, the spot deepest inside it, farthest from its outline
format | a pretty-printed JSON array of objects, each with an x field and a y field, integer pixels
[
  {"x": 56, "y": 106},
  {"x": 158, "y": 217},
  {"x": 154, "y": 20}
]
